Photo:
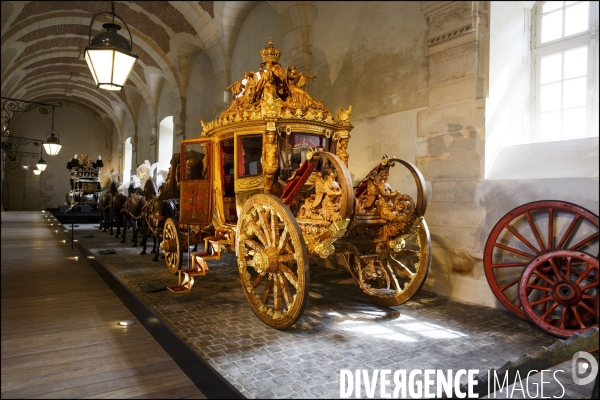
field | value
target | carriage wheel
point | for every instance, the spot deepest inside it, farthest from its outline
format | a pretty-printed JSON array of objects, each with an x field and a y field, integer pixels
[
  {"x": 392, "y": 278},
  {"x": 527, "y": 231},
  {"x": 565, "y": 305},
  {"x": 171, "y": 246},
  {"x": 272, "y": 261}
]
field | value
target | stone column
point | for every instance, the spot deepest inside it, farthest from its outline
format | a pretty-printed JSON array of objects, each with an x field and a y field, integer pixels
[
  {"x": 179, "y": 120},
  {"x": 153, "y": 141},
  {"x": 453, "y": 126}
]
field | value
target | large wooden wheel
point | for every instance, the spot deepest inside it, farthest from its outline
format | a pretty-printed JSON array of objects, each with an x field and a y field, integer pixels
[
  {"x": 565, "y": 303},
  {"x": 171, "y": 246},
  {"x": 391, "y": 277},
  {"x": 272, "y": 261},
  {"x": 526, "y": 232}
]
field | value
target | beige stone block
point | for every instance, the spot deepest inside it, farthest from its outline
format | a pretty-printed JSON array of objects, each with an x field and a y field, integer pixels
[
  {"x": 453, "y": 92},
  {"x": 455, "y": 142},
  {"x": 463, "y": 215},
  {"x": 451, "y": 118},
  {"x": 295, "y": 13},
  {"x": 453, "y": 237},
  {"x": 286, "y": 22},
  {"x": 454, "y": 191},
  {"x": 452, "y": 64},
  {"x": 456, "y": 166},
  {"x": 463, "y": 263}
]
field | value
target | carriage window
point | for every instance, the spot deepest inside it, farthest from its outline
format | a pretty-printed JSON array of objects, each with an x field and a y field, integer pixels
[
  {"x": 297, "y": 147},
  {"x": 196, "y": 161},
  {"x": 250, "y": 154}
]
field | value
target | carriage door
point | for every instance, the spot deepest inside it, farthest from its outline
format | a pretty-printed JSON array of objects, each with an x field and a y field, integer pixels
[
  {"x": 248, "y": 168},
  {"x": 195, "y": 205}
]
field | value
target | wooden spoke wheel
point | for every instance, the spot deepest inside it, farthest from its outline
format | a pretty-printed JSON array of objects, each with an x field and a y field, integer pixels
[
  {"x": 272, "y": 261},
  {"x": 389, "y": 278},
  {"x": 171, "y": 246},
  {"x": 526, "y": 232},
  {"x": 566, "y": 303}
]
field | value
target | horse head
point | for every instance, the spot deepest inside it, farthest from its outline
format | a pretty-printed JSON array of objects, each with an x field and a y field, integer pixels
[{"x": 149, "y": 189}]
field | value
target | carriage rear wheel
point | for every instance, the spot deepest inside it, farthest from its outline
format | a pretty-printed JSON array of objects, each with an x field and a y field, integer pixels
[
  {"x": 272, "y": 261},
  {"x": 390, "y": 278},
  {"x": 171, "y": 246},
  {"x": 559, "y": 292}
]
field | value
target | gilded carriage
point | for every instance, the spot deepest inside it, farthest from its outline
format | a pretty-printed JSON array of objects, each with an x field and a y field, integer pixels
[
  {"x": 85, "y": 181},
  {"x": 270, "y": 176}
]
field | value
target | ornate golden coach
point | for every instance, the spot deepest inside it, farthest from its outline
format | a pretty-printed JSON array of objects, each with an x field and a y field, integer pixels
[{"x": 270, "y": 175}]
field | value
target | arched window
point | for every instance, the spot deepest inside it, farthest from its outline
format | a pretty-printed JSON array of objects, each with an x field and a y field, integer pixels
[
  {"x": 564, "y": 70},
  {"x": 127, "y": 155},
  {"x": 165, "y": 143}
]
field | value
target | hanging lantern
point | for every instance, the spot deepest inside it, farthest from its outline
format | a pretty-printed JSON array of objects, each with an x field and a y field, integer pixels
[
  {"x": 41, "y": 164},
  {"x": 52, "y": 144},
  {"x": 109, "y": 55}
]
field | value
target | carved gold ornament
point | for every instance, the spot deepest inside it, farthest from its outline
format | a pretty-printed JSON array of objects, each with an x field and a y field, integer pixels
[{"x": 274, "y": 92}]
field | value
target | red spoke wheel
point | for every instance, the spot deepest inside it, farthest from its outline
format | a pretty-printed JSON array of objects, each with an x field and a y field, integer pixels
[
  {"x": 566, "y": 305},
  {"x": 526, "y": 232}
]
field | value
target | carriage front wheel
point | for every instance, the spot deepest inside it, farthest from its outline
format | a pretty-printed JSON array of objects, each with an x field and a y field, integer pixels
[{"x": 272, "y": 261}]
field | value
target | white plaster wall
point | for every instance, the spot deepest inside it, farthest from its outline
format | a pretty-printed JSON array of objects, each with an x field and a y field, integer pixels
[
  {"x": 73, "y": 125},
  {"x": 370, "y": 55},
  {"x": 261, "y": 24},
  {"x": 396, "y": 135},
  {"x": 199, "y": 96}
]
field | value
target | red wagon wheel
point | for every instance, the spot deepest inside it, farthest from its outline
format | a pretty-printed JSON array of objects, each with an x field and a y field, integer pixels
[
  {"x": 526, "y": 232},
  {"x": 565, "y": 305}
]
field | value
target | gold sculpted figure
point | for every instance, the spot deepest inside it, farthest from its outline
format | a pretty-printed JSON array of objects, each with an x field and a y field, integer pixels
[
  {"x": 298, "y": 97},
  {"x": 325, "y": 203},
  {"x": 272, "y": 79},
  {"x": 340, "y": 151},
  {"x": 377, "y": 186}
]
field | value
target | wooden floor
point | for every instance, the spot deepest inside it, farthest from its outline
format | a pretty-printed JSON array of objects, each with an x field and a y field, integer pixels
[{"x": 60, "y": 337}]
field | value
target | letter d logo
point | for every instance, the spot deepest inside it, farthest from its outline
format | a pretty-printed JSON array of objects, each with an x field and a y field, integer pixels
[{"x": 581, "y": 364}]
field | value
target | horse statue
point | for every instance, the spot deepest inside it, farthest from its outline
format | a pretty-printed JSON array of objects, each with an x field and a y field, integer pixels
[
  {"x": 104, "y": 205},
  {"x": 154, "y": 214},
  {"x": 116, "y": 205},
  {"x": 132, "y": 212}
]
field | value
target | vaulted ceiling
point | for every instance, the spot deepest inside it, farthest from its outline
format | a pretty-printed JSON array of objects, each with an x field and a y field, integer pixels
[{"x": 43, "y": 44}]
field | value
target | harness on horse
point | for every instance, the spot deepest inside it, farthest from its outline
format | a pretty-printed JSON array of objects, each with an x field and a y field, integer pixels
[{"x": 127, "y": 205}]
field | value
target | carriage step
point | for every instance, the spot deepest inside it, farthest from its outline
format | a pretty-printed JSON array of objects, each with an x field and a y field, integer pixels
[
  {"x": 199, "y": 268},
  {"x": 204, "y": 255},
  {"x": 178, "y": 289},
  {"x": 222, "y": 237}
]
